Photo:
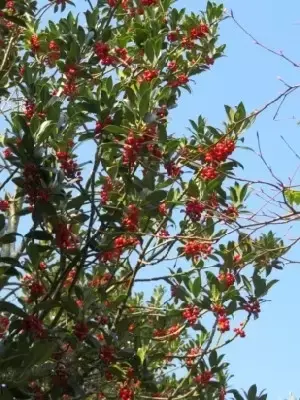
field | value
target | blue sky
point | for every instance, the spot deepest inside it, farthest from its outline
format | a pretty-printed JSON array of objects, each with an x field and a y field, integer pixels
[{"x": 269, "y": 355}]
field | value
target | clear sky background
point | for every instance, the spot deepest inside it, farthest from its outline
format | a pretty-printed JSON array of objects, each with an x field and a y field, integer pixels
[{"x": 269, "y": 355}]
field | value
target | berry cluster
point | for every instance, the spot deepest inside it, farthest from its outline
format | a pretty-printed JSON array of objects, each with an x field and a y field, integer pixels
[
  {"x": 102, "y": 51},
  {"x": 172, "y": 169},
  {"x": 223, "y": 323},
  {"x": 68, "y": 165},
  {"x": 180, "y": 80},
  {"x": 131, "y": 149},
  {"x": 4, "y": 324},
  {"x": 107, "y": 354},
  {"x": 148, "y": 75},
  {"x": 42, "y": 266},
  {"x": 37, "y": 391},
  {"x": 35, "y": 43},
  {"x": 171, "y": 333},
  {"x": 240, "y": 331},
  {"x": 135, "y": 144},
  {"x": 65, "y": 239},
  {"x": 191, "y": 314},
  {"x": 204, "y": 378},
  {"x": 33, "y": 185},
  {"x": 230, "y": 214},
  {"x": 35, "y": 288},
  {"x": 130, "y": 221},
  {"x": 10, "y": 5},
  {"x": 54, "y": 53},
  {"x": 194, "y": 208},
  {"x": 121, "y": 243},
  {"x": 218, "y": 309},
  {"x": 122, "y": 55},
  {"x": 102, "y": 280},
  {"x": 148, "y": 2},
  {"x": 226, "y": 278},
  {"x": 191, "y": 355},
  {"x": 69, "y": 88},
  {"x": 198, "y": 32},
  {"x": 81, "y": 330},
  {"x": 208, "y": 173},
  {"x": 69, "y": 279},
  {"x": 106, "y": 189},
  {"x": 31, "y": 324},
  {"x": 7, "y": 153},
  {"x": 4, "y": 205},
  {"x": 172, "y": 66},
  {"x": 29, "y": 109},
  {"x": 220, "y": 151},
  {"x": 101, "y": 125},
  {"x": 252, "y": 306},
  {"x": 163, "y": 209},
  {"x": 214, "y": 156},
  {"x": 163, "y": 233},
  {"x": 195, "y": 249},
  {"x": 125, "y": 393}
]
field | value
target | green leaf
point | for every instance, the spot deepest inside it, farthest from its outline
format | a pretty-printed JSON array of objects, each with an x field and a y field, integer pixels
[
  {"x": 43, "y": 132},
  {"x": 196, "y": 288},
  {"x": 11, "y": 261},
  {"x": 162, "y": 133},
  {"x": 149, "y": 50},
  {"x": 70, "y": 305},
  {"x": 236, "y": 395},
  {"x": 144, "y": 103},
  {"x": 156, "y": 197},
  {"x": 213, "y": 359},
  {"x": 2, "y": 222},
  {"x": 77, "y": 202},
  {"x": 9, "y": 238},
  {"x": 116, "y": 129},
  {"x": 40, "y": 352},
  {"x": 252, "y": 392},
  {"x": 141, "y": 352},
  {"x": 259, "y": 285},
  {"x": 12, "y": 308},
  {"x": 39, "y": 235},
  {"x": 15, "y": 20},
  {"x": 292, "y": 196},
  {"x": 193, "y": 189},
  {"x": 5, "y": 394},
  {"x": 43, "y": 209}
]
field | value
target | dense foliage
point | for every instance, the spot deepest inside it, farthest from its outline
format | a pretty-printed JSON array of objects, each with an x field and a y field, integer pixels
[{"x": 101, "y": 202}]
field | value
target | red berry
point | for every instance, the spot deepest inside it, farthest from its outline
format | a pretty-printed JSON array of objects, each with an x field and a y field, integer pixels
[
  {"x": 223, "y": 323},
  {"x": 35, "y": 43},
  {"x": 208, "y": 173},
  {"x": 4, "y": 323},
  {"x": 4, "y": 205},
  {"x": 194, "y": 209},
  {"x": 191, "y": 355},
  {"x": 191, "y": 314},
  {"x": 81, "y": 330},
  {"x": 195, "y": 249},
  {"x": 227, "y": 278},
  {"x": 204, "y": 378}
]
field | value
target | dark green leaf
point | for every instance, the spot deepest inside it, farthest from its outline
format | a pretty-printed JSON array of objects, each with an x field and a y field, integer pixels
[
  {"x": 12, "y": 308},
  {"x": 156, "y": 197},
  {"x": 39, "y": 235}
]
